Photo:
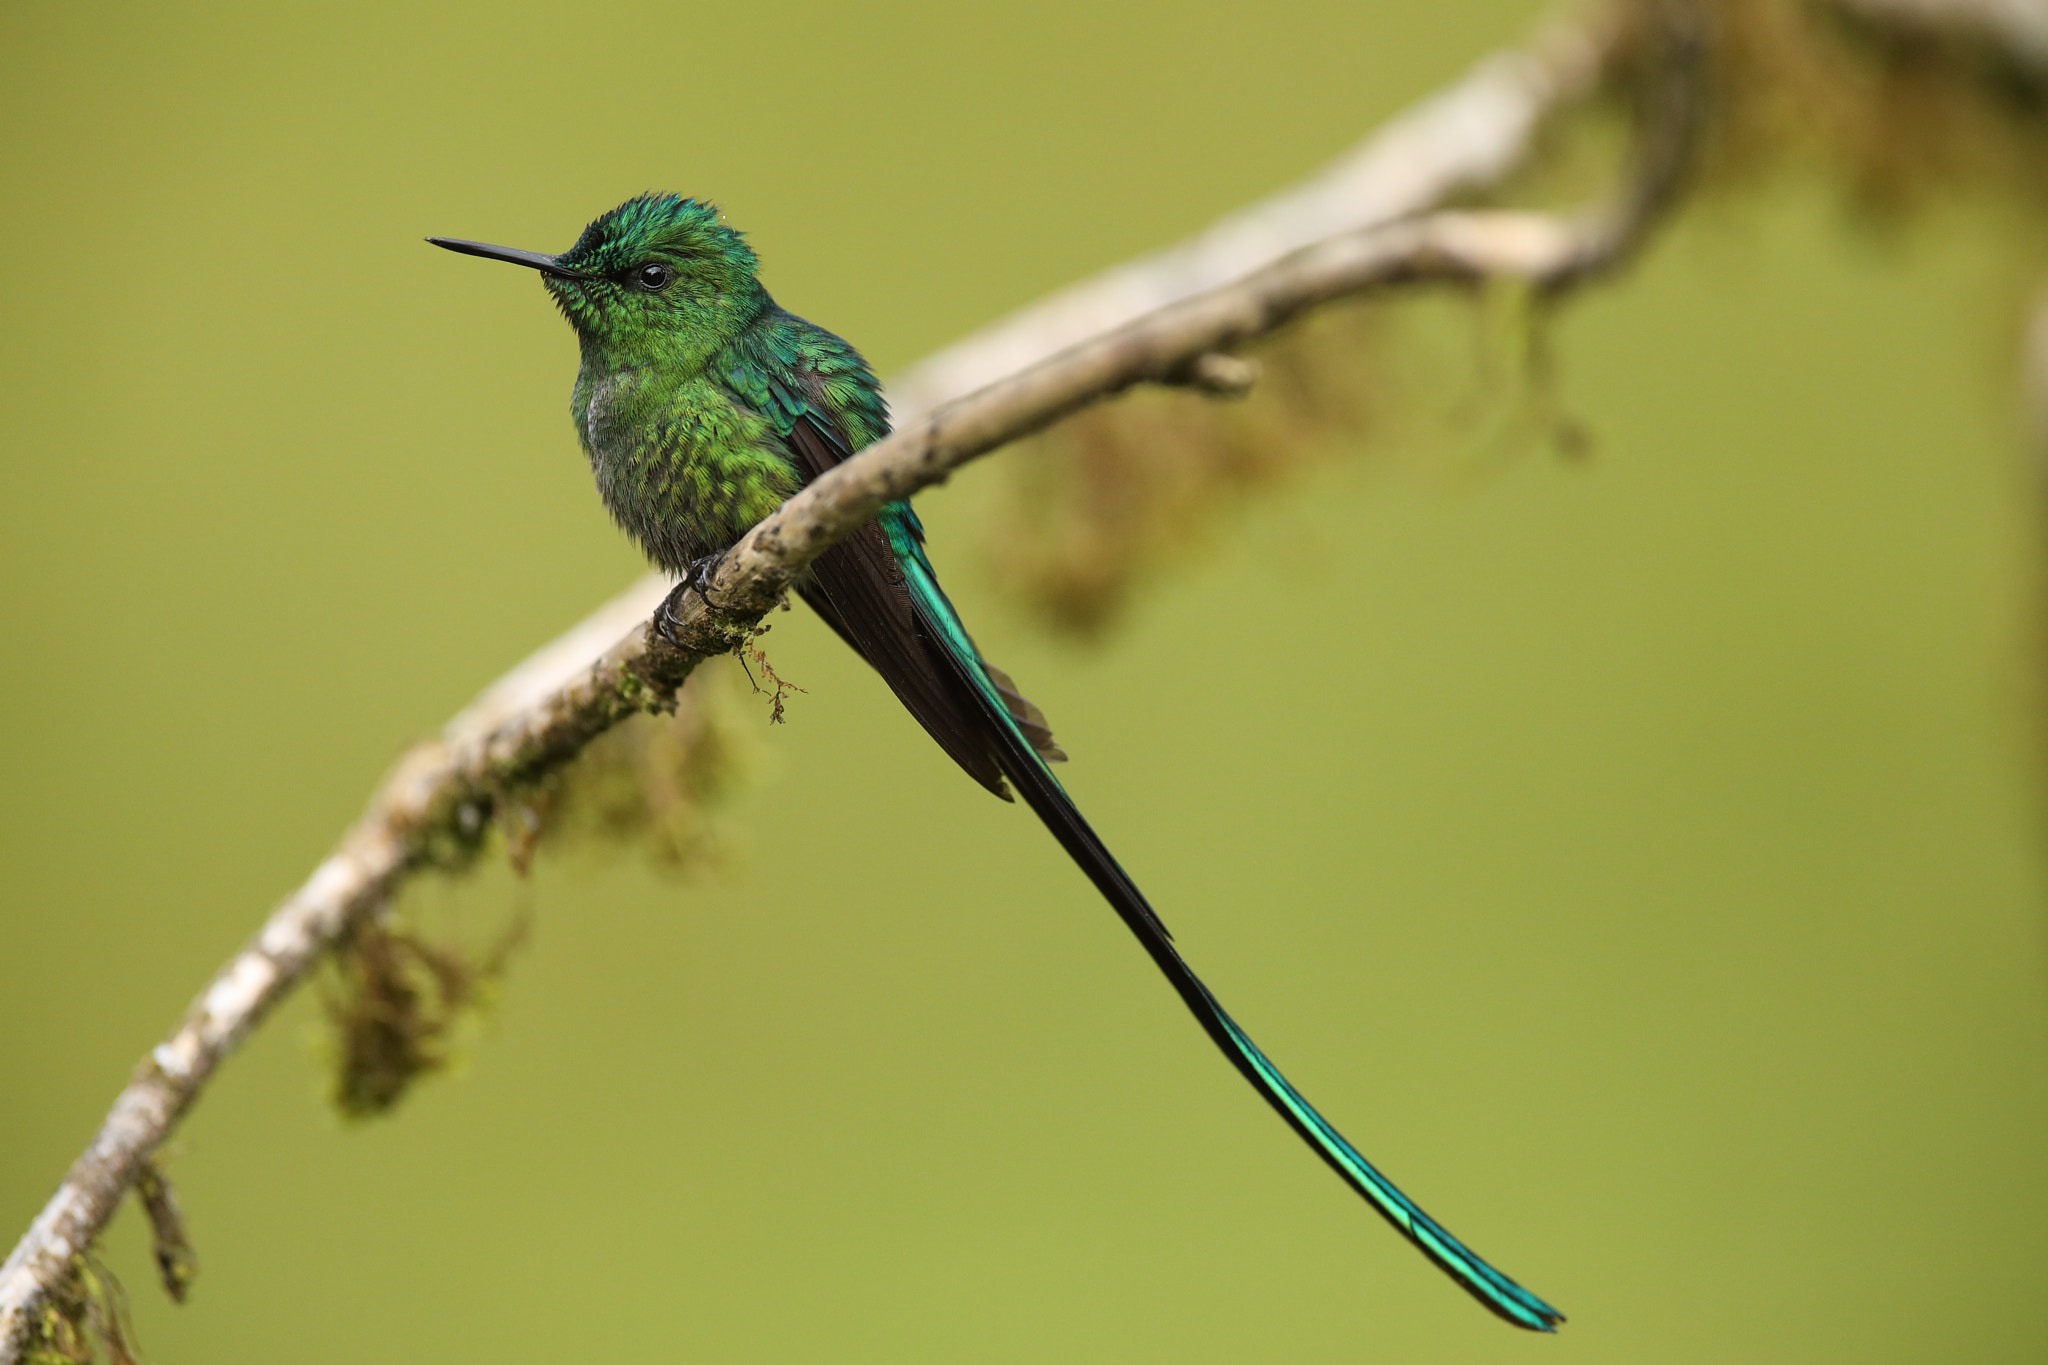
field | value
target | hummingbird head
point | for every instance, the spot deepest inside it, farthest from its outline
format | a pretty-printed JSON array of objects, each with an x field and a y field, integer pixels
[{"x": 657, "y": 278}]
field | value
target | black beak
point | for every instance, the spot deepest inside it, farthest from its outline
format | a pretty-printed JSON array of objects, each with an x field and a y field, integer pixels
[{"x": 531, "y": 259}]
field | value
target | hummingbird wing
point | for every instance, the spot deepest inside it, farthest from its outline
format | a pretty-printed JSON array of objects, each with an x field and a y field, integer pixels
[
  {"x": 884, "y": 599},
  {"x": 858, "y": 587}
]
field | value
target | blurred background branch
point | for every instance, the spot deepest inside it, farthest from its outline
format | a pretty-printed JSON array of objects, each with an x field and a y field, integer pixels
[{"x": 2016, "y": 30}]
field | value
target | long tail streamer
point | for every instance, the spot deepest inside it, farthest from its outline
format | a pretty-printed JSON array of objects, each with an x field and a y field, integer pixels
[{"x": 1042, "y": 791}]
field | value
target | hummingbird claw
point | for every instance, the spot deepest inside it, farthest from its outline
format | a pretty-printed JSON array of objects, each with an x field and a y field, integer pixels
[
  {"x": 665, "y": 619},
  {"x": 698, "y": 579}
]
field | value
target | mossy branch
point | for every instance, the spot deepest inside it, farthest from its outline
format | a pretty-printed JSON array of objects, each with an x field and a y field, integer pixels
[{"x": 1366, "y": 225}]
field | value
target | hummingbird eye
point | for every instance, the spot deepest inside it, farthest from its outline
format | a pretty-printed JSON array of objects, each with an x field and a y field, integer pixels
[{"x": 653, "y": 277}]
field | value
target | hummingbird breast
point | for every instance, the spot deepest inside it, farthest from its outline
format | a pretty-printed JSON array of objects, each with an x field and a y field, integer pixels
[{"x": 683, "y": 468}]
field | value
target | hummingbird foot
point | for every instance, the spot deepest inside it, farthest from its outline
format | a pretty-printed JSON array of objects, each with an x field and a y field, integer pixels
[
  {"x": 696, "y": 579},
  {"x": 665, "y": 618}
]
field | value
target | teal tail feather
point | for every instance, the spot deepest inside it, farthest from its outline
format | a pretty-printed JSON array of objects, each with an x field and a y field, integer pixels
[{"x": 1042, "y": 791}]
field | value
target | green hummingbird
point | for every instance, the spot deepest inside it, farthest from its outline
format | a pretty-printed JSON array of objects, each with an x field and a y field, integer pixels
[{"x": 702, "y": 404}]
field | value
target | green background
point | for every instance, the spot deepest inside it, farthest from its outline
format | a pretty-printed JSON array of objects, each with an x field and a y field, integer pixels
[{"x": 1637, "y": 857}]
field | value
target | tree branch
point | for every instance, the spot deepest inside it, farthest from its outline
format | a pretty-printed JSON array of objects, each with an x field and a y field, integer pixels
[
  {"x": 1469, "y": 136},
  {"x": 2016, "y": 29},
  {"x": 1153, "y": 321}
]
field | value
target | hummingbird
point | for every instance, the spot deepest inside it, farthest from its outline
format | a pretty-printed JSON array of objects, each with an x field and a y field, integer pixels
[{"x": 702, "y": 404}]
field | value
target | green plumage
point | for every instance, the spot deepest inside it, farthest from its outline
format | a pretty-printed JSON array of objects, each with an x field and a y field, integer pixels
[
  {"x": 684, "y": 401},
  {"x": 702, "y": 405}
]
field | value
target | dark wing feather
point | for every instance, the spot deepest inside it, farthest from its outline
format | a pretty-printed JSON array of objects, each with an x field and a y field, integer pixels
[
  {"x": 858, "y": 588},
  {"x": 1029, "y": 718}
]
